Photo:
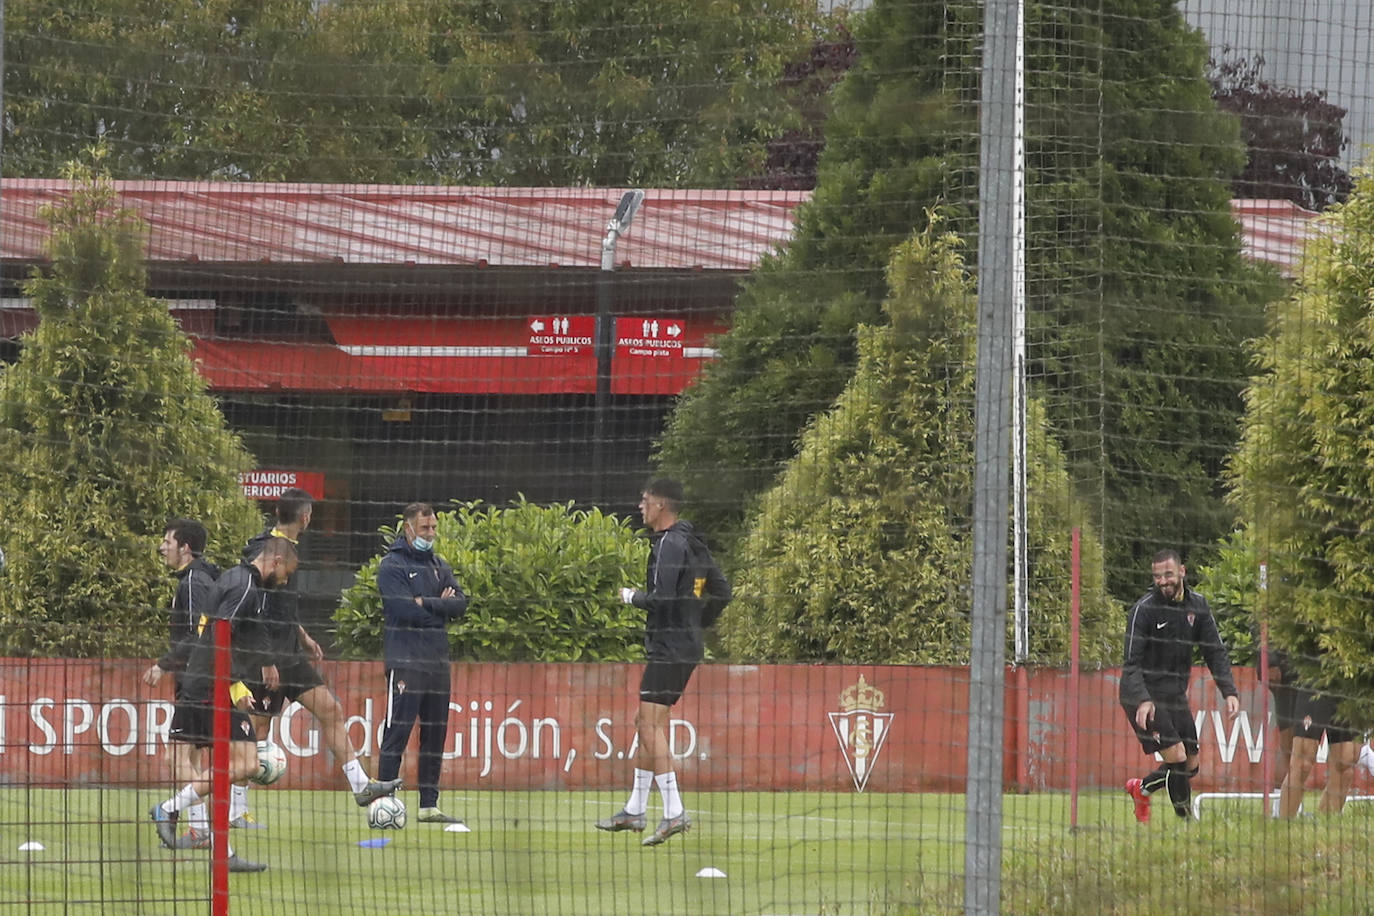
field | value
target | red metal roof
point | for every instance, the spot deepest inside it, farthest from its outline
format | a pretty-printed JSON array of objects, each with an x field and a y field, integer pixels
[
  {"x": 499, "y": 227},
  {"x": 1276, "y": 231},
  {"x": 392, "y": 224}
]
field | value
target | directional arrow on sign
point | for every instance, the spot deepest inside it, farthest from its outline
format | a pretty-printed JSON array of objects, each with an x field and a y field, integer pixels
[
  {"x": 674, "y": 330},
  {"x": 536, "y": 325}
]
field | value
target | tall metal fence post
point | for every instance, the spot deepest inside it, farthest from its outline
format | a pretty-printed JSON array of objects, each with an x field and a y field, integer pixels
[{"x": 997, "y": 286}]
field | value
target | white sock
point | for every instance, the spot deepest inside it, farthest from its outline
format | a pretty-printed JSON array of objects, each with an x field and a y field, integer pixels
[
  {"x": 639, "y": 795},
  {"x": 186, "y": 797},
  {"x": 238, "y": 801},
  {"x": 355, "y": 774},
  {"x": 667, "y": 787},
  {"x": 199, "y": 817}
]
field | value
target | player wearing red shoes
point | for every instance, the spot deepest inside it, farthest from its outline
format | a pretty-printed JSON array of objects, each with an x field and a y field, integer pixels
[{"x": 1163, "y": 629}]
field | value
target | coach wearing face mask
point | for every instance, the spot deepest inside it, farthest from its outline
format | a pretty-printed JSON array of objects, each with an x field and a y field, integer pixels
[{"x": 420, "y": 597}]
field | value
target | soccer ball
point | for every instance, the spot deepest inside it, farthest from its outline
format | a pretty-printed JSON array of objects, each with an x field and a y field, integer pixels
[
  {"x": 271, "y": 765},
  {"x": 386, "y": 813}
]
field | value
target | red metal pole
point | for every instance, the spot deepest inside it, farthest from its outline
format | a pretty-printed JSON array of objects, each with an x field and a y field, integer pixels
[
  {"x": 1023, "y": 729},
  {"x": 219, "y": 776},
  {"x": 1075, "y": 592}
]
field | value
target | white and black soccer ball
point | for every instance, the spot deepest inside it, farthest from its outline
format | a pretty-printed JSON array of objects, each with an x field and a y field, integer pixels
[
  {"x": 386, "y": 813},
  {"x": 271, "y": 765}
]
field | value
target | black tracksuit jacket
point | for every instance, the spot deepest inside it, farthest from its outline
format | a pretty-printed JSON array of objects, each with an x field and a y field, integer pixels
[
  {"x": 239, "y": 597},
  {"x": 672, "y": 596},
  {"x": 1160, "y": 638},
  {"x": 194, "y": 581}
]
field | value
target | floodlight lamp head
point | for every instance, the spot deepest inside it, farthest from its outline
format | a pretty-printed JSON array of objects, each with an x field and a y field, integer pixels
[{"x": 629, "y": 206}]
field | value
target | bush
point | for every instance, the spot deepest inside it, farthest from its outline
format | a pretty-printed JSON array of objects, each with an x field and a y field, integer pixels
[{"x": 542, "y": 584}]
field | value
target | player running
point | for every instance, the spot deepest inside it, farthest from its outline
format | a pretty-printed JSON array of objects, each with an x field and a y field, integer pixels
[
  {"x": 183, "y": 543},
  {"x": 239, "y": 597}
]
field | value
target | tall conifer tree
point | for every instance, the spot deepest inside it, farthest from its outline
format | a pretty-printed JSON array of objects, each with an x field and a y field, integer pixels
[
  {"x": 1139, "y": 299},
  {"x": 106, "y": 432},
  {"x": 861, "y": 552}
]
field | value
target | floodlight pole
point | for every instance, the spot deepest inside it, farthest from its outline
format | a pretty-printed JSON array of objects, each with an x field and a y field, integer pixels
[
  {"x": 2, "y": 92},
  {"x": 605, "y": 333},
  {"x": 998, "y": 166}
]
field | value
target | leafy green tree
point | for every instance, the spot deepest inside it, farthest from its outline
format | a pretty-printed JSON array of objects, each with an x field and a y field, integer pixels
[
  {"x": 543, "y": 584},
  {"x": 1231, "y": 585},
  {"x": 862, "y": 552},
  {"x": 1302, "y": 474},
  {"x": 1139, "y": 299},
  {"x": 106, "y": 431},
  {"x": 671, "y": 92}
]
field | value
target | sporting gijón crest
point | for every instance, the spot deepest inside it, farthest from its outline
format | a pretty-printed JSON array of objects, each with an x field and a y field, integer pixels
[{"x": 861, "y": 728}]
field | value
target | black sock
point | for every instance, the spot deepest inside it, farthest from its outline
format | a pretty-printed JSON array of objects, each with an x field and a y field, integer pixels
[
  {"x": 1155, "y": 780},
  {"x": 1180, "y": 789}
]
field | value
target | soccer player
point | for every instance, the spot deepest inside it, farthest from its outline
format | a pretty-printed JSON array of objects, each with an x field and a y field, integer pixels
[
  {"x": 1315, "y": 713},
  {"x": 1283, "y": 689},
  {"x": 420, "y": 597},
  {"x": 1164, "y": 628},
  {"x": 238, "y": 596},
  {"x": 673, "y": 597},
  {"x": 292, "y": 675},
  {"x": 183, "y": 543}
]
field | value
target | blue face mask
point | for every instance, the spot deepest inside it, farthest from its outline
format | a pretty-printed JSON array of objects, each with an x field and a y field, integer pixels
[{"x": 422, "y": 543}]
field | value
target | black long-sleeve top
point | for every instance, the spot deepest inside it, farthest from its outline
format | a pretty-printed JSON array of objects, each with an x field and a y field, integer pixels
[
  {"x": 239, "y": 597},
  {"x": 672, "y": 597},
  {"x": 194, "y": 581},
  {"x": 283, "y": 605},
  {"x": 1160, "y": 638}
]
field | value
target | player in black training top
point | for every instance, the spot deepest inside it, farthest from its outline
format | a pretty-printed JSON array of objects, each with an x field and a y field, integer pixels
[
  {"x": 183, "y": 543},
  {"x": 680, "y": 579},
  {"x": 1163, "y": 629}
]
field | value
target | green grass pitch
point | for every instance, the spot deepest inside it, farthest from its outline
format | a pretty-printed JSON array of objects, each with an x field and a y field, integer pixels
[
  {"x": 781, "y": 853},
  {"x": 527, "y": 852}
]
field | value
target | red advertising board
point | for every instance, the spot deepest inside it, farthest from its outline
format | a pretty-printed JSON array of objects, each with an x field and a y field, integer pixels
[
  {"x": 744, "y": 727},
  {"x": 267, "y": 484},
  {"x": 562, "y": 335}
]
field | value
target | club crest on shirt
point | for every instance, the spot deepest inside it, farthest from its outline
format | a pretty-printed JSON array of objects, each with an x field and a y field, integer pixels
[
  {"x": 861, "y": 729},
  {"x": 1191, "y": 618},
  {"x": 400, "y": 687}
]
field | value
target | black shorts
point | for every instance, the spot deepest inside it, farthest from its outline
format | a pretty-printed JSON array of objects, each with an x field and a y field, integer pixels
[
  {"x": 298, "y": 677},
  {"x": 664, "y": 682},
  {"x": 1172, "y": 723},
  {"x": 267, "y": 702},
  {"x": 194, "y": 723},
  {"x": 1316, "y": 713},
  {"x": 1285, "y": 706}
]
